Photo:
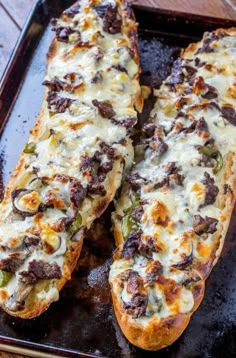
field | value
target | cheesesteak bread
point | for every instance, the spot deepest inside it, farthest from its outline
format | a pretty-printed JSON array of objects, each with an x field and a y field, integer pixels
[
  {"x": 73, "y": 163},
  {"x": 172, "y": 216}
]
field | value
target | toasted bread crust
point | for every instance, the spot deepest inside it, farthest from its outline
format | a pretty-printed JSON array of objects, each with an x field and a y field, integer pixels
[
  {"x": 36, "y": 307},
  {"x": 157, "y": 334}
]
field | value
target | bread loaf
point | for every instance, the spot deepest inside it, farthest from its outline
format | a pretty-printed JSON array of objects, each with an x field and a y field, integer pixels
[
  {"x": 73, "y": 163},
  {"x": 172, "y": 216}
]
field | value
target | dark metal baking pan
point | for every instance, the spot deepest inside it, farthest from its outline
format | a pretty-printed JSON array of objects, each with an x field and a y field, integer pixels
[{"x": 82, "y": 322}]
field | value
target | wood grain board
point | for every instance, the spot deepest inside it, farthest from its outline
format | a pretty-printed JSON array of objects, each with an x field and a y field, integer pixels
[
  {"x": 18, "y": 9},
  {"x": 7, "y": 38},
  {"x": 216, "y": 8},
  {"x": 13, "y": 14},
  {"x": 10, "y": 355}
]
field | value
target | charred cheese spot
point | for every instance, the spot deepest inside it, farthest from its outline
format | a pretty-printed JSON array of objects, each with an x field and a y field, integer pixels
[
  {"x": 122, "y": 42},
  {"x": 76, "y": 126},
  {"x": 77, "y": 91},
  {"x": 187, "y": 235},
  {"x": 224, "y": 217},
  {"x": 159, "y": 213},
  {"x": 175, "y": 307},
  {"x": 204, "y": 250},
  {"x": 161, "y": 246},
  {"x": 50, "y": 239},
  {"x": 199, "y": 191},
  {"x": 231, "y": 92},
  {"x": 30, "y": 201},
  {"x": 170, "y": 289},
  {"x": 170, "y": 227},
  {"x": 12, "y": 242},
  {"x": 199, "y": 86},
  {"x": 52, "y": 200},
  {"x": 3, "y": 295}
]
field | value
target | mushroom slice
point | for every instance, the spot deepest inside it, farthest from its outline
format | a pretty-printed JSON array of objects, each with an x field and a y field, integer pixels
[
  {"x": 17, "y": 299},
  {"x": 185, "y": 263}
]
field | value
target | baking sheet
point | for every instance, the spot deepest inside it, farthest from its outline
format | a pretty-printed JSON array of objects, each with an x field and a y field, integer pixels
[{"x": 82, "y": 322}]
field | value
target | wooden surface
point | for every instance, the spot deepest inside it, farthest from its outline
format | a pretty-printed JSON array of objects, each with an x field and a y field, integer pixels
[
  {"x": 217, "y": 8},
  {"x": 9, "y": 355},
  {"x": 13, "y": 14}
]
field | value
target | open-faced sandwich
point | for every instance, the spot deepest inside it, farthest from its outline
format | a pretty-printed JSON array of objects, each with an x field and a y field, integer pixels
[
  {"x": 73, "y": 163},
  {"x": 172, "y": 216}
]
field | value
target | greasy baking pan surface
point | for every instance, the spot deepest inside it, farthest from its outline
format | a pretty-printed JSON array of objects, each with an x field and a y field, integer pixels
[{"x": 82, "y": 322}]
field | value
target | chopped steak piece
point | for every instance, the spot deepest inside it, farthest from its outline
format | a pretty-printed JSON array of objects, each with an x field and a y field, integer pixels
[
  {"x": 153, "y": 274},
  {"x": 57, "y": 103},
  {"x": 43, "y": 270},
  {"x": 229, "y": 114},
  {"x": 137, "y": 306},
  {"x": 105, "y": 109},
  {"x": 137, "y": 213},
  {"x": 128, "y": 122},
  {"x": 28, "y": 277},
  {"x": 211, "y": 92},
  {"x": 147, "y": 248},
  {"x": 135, "y": 283},
  {"x": 186, "y": 262},
  {"x": 57, "y": 85},
  {"x": 202, "y": 226},
  {"x": 31, "y": 242},
  {"x": 201, "y": 126},
  {"x": 11, "y": 264},
  {"x": 135, "y": 181},
  {"x": 158, "y": 145},
  {"x": 77, "y": 193},
  {"x": 111, "y": 21},
  {"x": 211, "y": 190},
  {"x": 177, "y": 75},
  {"x": 72, "y": 11},
  {"x": 131, "y": 244}
]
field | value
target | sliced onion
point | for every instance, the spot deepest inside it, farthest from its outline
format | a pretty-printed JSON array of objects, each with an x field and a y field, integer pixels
[{"x": 24, "y": 196}]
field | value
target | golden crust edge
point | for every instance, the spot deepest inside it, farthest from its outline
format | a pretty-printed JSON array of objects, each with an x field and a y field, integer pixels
[
  {"x": 36, "y": 306},
  {"x": 192, "y": 47},
  {"x": 157, "y": 334}
]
